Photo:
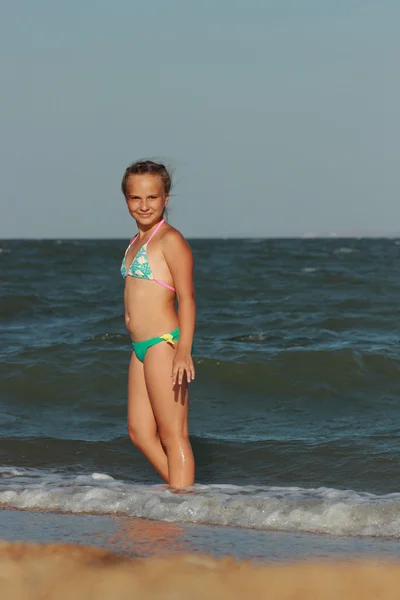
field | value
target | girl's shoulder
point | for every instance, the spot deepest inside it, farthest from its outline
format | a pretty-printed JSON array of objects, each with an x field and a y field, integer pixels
[
  {"x": 170, "y": 235},
  {"x": 172, "y": 240}
]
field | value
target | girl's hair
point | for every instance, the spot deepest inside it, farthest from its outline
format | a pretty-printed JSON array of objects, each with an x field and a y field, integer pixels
[{"x": 147, "y": 167}]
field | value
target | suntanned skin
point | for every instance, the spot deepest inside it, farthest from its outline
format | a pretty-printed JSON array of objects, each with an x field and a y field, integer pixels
[{"x": 158, "y": 387}]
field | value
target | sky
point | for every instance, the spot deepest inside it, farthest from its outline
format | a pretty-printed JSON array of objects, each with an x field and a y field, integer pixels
[{"x": 277, "y": 117}]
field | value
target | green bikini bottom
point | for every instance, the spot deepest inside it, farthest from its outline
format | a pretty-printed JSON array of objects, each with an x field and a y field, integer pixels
[{"x": 140, "y": 348}]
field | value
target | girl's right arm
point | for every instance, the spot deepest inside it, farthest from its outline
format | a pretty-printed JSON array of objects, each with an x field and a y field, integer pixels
[
  {"x": 179, "y": 259},
  {"x": 126, "y": 310}
]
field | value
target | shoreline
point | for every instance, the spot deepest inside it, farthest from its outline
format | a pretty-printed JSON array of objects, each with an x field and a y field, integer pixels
[{"x": 138, "y": 537}]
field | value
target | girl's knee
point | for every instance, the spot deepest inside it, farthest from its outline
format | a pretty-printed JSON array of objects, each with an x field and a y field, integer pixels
[
  {"x": 170, "y": 439},
  {"x": 133, "y": 434},
  {"x": 138, "y": 437}
]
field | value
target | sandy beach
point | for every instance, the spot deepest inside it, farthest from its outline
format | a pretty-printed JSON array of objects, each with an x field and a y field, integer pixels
[
  {"x": 66, "y": 571},
  {"x": 113, "y": 557}
]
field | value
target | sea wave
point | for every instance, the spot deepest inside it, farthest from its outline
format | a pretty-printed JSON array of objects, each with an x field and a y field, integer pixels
[
  {"x": 328, "y": 458},
  {"x": 24, "y": 304},
  {"x": 317, "y": 510},
  {"x": 321, "y": 372}
]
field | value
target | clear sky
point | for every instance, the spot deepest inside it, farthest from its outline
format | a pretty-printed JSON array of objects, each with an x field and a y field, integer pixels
[{"x": 279, "y": 117}]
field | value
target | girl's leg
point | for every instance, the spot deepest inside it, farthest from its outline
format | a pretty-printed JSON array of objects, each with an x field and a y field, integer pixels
[
  {"x": 142, "y": 426},
  {"x": 170, "y": 408}
]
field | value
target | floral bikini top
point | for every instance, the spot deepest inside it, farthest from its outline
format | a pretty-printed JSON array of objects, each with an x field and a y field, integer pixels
[{"x": 140, "y": 266}]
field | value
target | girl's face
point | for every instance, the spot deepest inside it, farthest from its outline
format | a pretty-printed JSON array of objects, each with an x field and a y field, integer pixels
[{"x": 145, "y": 198}]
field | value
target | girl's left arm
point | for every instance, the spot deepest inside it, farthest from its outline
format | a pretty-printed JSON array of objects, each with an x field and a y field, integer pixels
[{"x": 179, "y": 259}]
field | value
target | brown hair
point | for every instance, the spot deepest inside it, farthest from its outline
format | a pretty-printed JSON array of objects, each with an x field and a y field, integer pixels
[{"x": 147, "y": 167}]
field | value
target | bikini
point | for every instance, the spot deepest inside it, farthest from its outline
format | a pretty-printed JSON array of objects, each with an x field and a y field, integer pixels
[{"x": 140, "y": 268}]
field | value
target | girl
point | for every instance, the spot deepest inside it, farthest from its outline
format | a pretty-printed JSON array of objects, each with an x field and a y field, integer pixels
[{"x": 157, "y": 267}]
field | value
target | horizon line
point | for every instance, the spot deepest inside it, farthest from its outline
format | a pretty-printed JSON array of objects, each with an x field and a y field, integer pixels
[{"x": 224, "y": 237}]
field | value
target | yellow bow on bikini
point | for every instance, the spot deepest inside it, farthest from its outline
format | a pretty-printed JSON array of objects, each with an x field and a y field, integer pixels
[{"x": 168, "y": 338}]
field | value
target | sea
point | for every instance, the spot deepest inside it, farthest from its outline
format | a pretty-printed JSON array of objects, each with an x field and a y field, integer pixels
[{"x": 294, "y": 412}]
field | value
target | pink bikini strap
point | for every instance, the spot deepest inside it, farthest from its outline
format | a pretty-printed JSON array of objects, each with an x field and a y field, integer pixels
[
  {"x": 164, "y": 284},
  {"x": 155, "y": 231},
  {"x": 157, "y": 280},
  {"x": 130, "y": 243},
  {"x": 132, "y": 240}
]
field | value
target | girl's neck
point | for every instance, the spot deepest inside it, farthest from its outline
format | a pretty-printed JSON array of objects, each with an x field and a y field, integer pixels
[{"x": 145, "y": 231}]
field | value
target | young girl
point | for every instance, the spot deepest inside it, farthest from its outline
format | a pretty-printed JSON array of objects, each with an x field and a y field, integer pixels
[{"x": 158, "y": 267}]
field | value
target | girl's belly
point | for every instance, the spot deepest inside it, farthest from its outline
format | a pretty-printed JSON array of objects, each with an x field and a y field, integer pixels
[{"x": 149, "y": 309}]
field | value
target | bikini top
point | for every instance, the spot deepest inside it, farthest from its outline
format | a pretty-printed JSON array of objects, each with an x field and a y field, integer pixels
[{"x": 140, "y": 266}]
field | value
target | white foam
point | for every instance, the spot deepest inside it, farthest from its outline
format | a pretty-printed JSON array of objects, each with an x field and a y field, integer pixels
[
  {"x": 318, "y": 510},
  {"x": 10, "y": 472},
  {"x": 345, "y": 250},
  {"x": 102, "y": 476}
]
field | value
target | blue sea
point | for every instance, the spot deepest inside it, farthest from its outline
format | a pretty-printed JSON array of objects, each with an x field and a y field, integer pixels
[{"x": 294, "y": 413}]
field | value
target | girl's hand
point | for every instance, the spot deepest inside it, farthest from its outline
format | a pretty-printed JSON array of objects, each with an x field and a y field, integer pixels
[{"x": 181, "y": 365}]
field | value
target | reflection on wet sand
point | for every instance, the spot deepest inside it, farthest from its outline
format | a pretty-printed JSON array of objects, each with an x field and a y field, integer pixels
[{"x": 142, "y": 537}]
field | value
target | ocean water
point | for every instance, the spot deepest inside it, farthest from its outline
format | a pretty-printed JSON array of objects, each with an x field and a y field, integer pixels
[{"x": 294, "y": 413}]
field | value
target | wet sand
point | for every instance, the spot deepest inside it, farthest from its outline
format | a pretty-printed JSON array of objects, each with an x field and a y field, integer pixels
[
  {"x": 119, "y": 558},
  {"x": 136, "y": 537}
]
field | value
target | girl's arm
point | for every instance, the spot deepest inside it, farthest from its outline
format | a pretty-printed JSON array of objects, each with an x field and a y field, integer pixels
[
  {"x": 179, "y": 259},
  {"x": 127, "y": 319}
]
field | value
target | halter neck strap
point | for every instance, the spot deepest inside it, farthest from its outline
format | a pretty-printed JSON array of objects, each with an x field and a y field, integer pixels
[{"x": 156, "y": 229}]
